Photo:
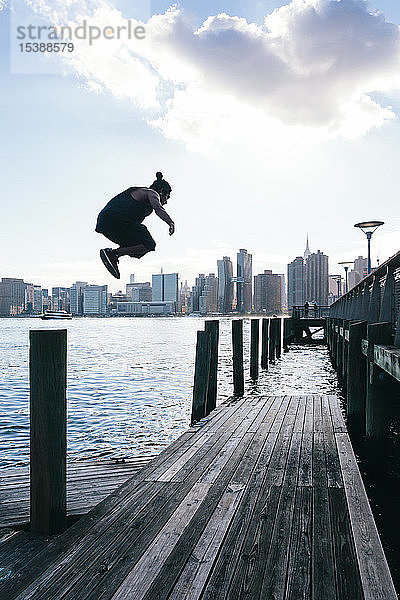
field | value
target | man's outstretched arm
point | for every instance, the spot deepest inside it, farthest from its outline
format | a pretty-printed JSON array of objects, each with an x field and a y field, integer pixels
[{"x": 154, "y": 201}]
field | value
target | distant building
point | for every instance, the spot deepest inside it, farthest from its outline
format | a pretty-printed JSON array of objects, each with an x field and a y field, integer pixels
[
  {"x": 184, "y": 295},
  {"x": 29, "y": 298},
  {"x": 12, "y": 296},
  {"x": 244, "y": 281},
  {"x": 37, "y": 299},
  {"x": 76, "y": 297},
  {"x": 139, "y": 292},
  {"x": 145, "y": 308},
  {"x": 208, "y": 297},
  {"x": 132, "y": 278},
  {"x": 197, "y": 290},
  {"x": 317, "y": 278},
  {"x": 335, "y": 288},
  {"x": 225, "y": 285},
  {"x": 268, "y": 292},
  {"x": 60, "y": 298},
  {"x": 296, "y": 283},
  {"x": 46, "y": 300},
  {"x": 308, "y": 279},
  {"x": 95, "y": 300},
  {"x": 359, "y": 271},
  {"x": 165, "y": 288}
]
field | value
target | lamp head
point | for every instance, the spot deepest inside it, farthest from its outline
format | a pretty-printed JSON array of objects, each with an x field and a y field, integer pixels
[{"x": 368, "y": 227}]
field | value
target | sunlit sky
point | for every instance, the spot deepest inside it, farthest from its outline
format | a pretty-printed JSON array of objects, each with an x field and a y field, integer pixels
[{"x": 270, "y": 120}]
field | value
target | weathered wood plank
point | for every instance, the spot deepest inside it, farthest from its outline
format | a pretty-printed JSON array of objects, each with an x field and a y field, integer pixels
[
  {"x": 323, "y": 568},
  {"x": 268, "y": 506},
  {"x": 374, "y": 571},
  {"x": 299, "y": 570}
]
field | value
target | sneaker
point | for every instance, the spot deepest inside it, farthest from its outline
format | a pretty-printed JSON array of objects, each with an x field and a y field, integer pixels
[{"x": 110, "y": 262}]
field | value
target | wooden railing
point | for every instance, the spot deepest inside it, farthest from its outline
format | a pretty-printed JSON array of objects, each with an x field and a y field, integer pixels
[{"x": 376, "y": 299}]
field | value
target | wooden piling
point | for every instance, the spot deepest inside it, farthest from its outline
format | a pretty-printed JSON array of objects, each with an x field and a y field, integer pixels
[
  {"x": 272, "y": 340},
  {"x": 264, "y": 343},
  {"x": 48, "y": 430},
  {"x": 287, "y": 334},
  {"x": 356, "y": 381},
  {"x": 278, "y": 338},
  {"x": 212, "y": 327},
  {"x": 377, "y": 402},
  {"x": 254, "y": 348},
  {"x": 201, "y": 376},
  {"x": 237, "y": 344}
]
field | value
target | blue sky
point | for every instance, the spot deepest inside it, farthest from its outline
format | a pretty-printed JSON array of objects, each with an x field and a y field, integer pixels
[{"x": 257, "y": 154}]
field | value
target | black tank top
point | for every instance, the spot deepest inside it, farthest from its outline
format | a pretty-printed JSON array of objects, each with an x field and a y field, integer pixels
[{"x": 123, "y": 204}]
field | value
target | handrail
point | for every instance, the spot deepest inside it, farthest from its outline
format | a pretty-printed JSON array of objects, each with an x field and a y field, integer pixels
[{"x": 371, "y": 301}]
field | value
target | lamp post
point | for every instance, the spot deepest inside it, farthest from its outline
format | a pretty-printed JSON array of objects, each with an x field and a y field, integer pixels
[
  {"x": 338, "y": 280},
  {"x": 369, "y": 227},
  {"x": 346, "y": 264}
]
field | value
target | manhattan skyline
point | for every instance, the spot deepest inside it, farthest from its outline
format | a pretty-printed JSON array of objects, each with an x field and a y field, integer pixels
[{"x": 311, "y": 146}]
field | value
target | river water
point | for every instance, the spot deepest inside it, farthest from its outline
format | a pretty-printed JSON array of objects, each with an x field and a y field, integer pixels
[{"x": 130, "y": 382}]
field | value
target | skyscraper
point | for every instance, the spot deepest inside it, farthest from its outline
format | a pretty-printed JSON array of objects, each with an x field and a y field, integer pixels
[
  {"x": 244, "y": 281},
  {"x": 165, "y": 287},
  {"x": 195, "y": 294},
  {"x": 296, "y": 282},
  {"x": 225, "y": 285},
  {"x": 268, "y": 292},
  {"x": 12, "y": 296},
  {"x": 95, "y": 300},
  {"x": 317, "y": 278},
  {"x": 76, "y": 297},
  {"x": 208, "y": 297}
]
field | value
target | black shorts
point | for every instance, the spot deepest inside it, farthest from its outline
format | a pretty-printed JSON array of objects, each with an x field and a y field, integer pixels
[{"x": 124, "y": 231}]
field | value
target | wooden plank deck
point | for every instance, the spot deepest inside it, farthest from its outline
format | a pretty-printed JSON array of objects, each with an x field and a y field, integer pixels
[
  {"x": 262, "y": 499},
  {"x": 88, "y": 483}
]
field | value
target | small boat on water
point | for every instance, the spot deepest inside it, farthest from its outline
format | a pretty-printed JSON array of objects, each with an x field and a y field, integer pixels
[{"x": 56, "y": 314}]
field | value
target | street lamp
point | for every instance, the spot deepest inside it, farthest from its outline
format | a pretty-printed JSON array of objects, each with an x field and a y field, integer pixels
[
  {"x": 369, "y": 227},
  {"x": 346, "y": 264},
  {"x": 338, "y": 279}
]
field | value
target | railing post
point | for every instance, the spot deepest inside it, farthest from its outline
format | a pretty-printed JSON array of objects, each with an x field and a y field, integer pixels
[
  {"x": 48, "y": 430},
  {"x": 365, "y": 302},
  {"x": 201, "y": 376},
  {"x": 387, "y": 306},
  {"x": 212, "y": 327},
  {"x": 345, "y": 348},
  {"x": 237, "y": 343},
  {"x": 356, "y": 380},
  {"x": 377, "y": 404},
  {"x": 264, "y": 343},
  {"x": 339, "y": 351},
  {"x": 373, "y": 308},
  {"x": 254, "y": 348}
]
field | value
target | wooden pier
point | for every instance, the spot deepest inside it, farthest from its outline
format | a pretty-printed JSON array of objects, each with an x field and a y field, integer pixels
[
  {"x": 88, "y": 483},
  {"x": 261, "y": 499}
]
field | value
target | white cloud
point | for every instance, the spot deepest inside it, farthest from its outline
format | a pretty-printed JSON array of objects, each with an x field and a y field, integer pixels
[{"x": 310, "y": 71}]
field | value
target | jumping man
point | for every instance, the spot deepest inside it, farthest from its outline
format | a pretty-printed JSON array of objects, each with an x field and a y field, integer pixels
[{"x": 121, "y": 221}]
